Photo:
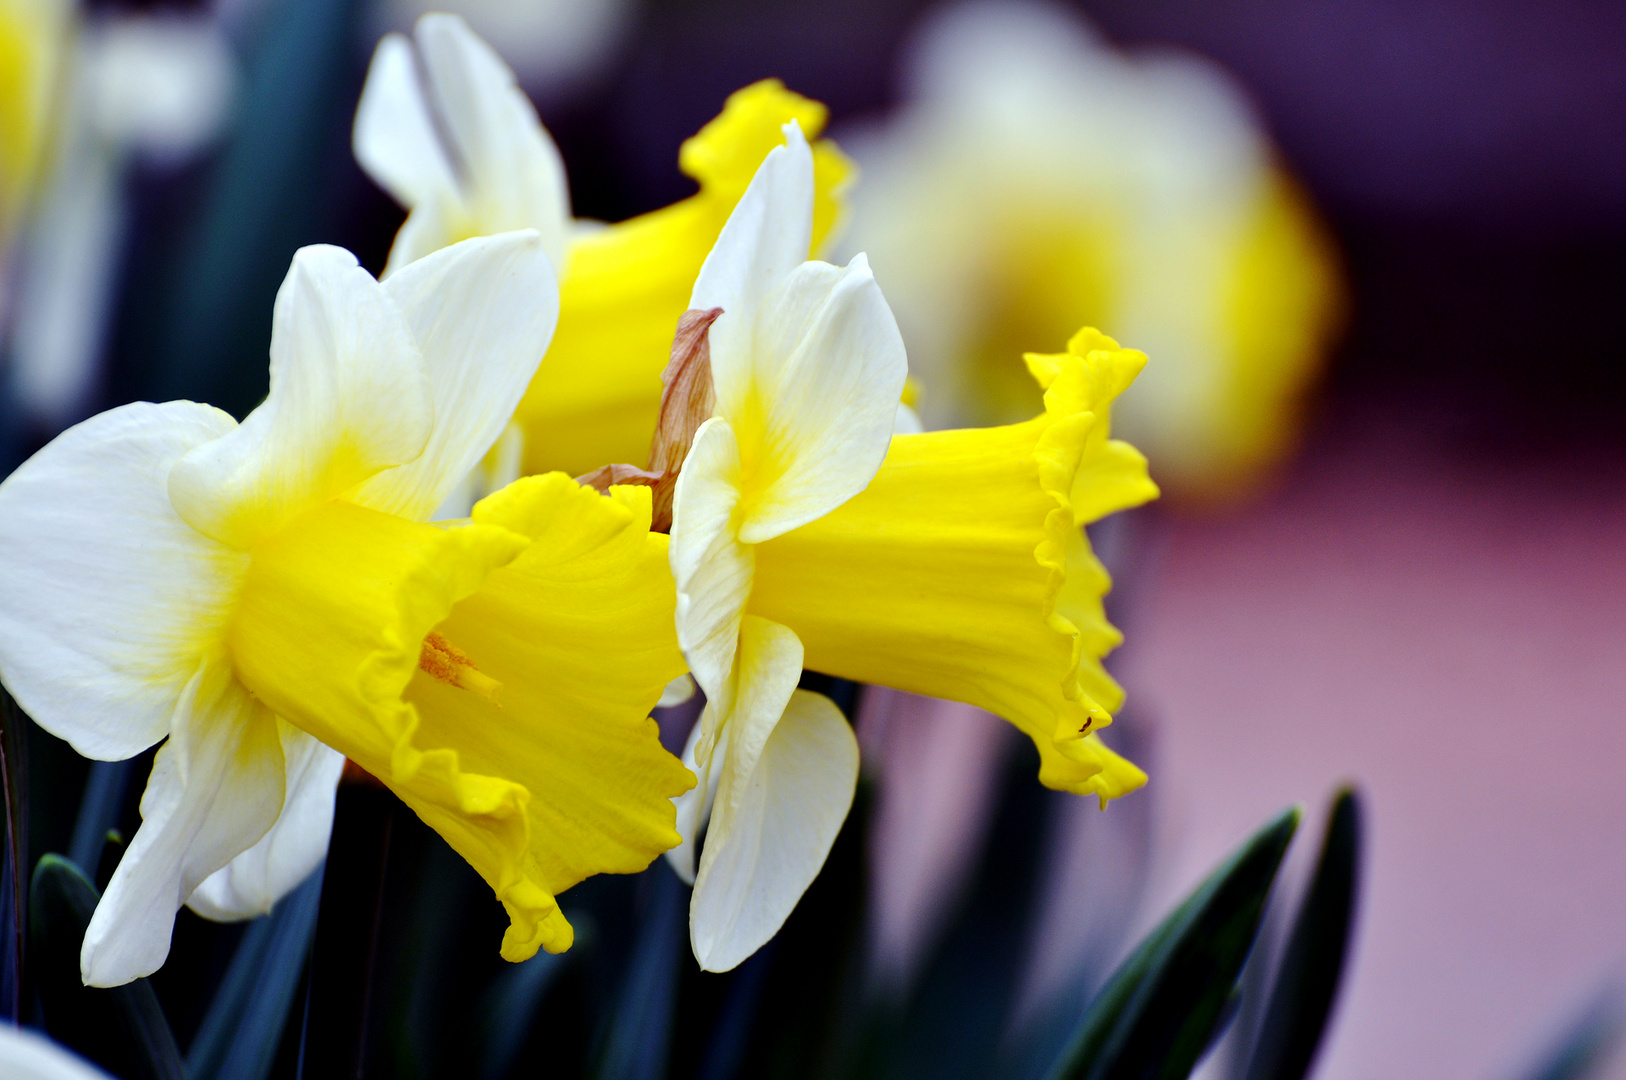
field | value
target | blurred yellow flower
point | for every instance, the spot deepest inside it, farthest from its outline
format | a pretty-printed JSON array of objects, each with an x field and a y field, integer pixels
[
  {"x": 33, "y": 34},
  {"x": 1037, "y": 180},
  {"x": 442, "y": 126}
]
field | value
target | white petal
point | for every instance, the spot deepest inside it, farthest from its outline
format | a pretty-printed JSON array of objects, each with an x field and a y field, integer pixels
[
  {"x": 712, "y": 569},
  {"x": 677, "y": 691},
  {"x": 512, "y": 175},
  {"x": 349, "y": 398},
  {"x": 482, "y": 313},
  {"x": 767, "y": 670},
  {"x": 296, "y": 845},
  {"x": 108, "y": 600},
  {"x": 816, "y": 414},
  {"x": 216, "y": 788},
  {"x": 791, "y": 807},
  {"x": 767, "y": 236},
  {"x": 435, "y": 223},
  {"x": 26, "y": 1055},
  {"x": 694, "y": 805},
  {"x": 394, "y": 138}
]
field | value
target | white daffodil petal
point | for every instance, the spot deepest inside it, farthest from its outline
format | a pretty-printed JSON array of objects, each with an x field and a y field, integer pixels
[
  {"x": 768, "y": 235},
  {"x": 677, "y": 691},
  {"x": 767, "y": 669},
  {"x": 712, "y": 569},
  {"x": 694, "y": 805},
  {"x": 437, "y": 222},
  {"x": 216, "y": 788},
  {"x": 482, "y": 313},
  {"x": 296, "y": 845},
  {"x": 790, "y": 810},
  {"x": 394, "y": 137},
  {"x": 512, "y": 172},
  {"x": 827, "y": 370},
  {"x": 349, "y": 397},
  {"x": 27, "y": 1055},
  {"x": 111, "y": 599}
]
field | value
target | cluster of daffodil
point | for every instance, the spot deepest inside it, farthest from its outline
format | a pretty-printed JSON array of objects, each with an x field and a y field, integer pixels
[{"x": 271, "y": 597}]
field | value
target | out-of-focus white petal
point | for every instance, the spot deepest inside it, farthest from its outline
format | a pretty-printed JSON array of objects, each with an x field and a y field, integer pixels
[
  {"x": 713, "y": 570},
  {"x": 482, "y": 313},
  {"x": 216, "y": 788},
  {"x": 907, "y": 422},
  {"x": 394, "y": 138},
  {"x": 27, "y": 1055},
  {"x": 349, "y": 398},
  {"x": 677, "y": 691},
  {"x": 437, "y": 222},
  {"x": 815, "y": 417},
  {"x": 108, "y": 600},
  {"x": 769, "y": 234},
  {"x": 512, "y": 175},
  {"x": 296, "y": 845},
  {"x": 789, "y": 810},
  {"x": 694, "y": 806}
]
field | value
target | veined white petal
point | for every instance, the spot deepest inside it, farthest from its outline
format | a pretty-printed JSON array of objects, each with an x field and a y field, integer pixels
[
  {"x": 511, "y": 171},
  {"x": 713, "y": 570},
  {"x": 296, "y": 845},
  {"x": 216, "y": 788},
  {"x": 108, "y": 600},
  {"x": 790, "y": 808},
  {"x": 349, "y": 398},
  {"x": 694, "y": 805},
  {"x": 816, "y": 416},
  {"x": 28, "y": 1055},
  {"x": 394, "y": 138},
  {"x": 482, "y": 313},
  {"x": 768, "y": 235}
]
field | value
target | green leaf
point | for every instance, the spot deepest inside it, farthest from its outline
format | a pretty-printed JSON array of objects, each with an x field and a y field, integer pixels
[
  {"x": 1306, "y": 983},
  {"x": 123, "y": 1029},
  {"x": 243, "y": 1028},
  {"x": 1163, "y": 1006},
  {"x": 639, "y": 1039},
  {"x": 13, "y": 910}
]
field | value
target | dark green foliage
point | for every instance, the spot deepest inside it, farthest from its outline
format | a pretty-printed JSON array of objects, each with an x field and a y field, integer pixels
[
  {"x": 123, "y": 1029},
  {"x": 1161, "y": 1009},
  {"x": 1306, "y": 982}
]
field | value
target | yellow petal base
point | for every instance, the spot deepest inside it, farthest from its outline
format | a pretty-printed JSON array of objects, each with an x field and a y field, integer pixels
[
  {"x": 487, "y": 777},
  {"x": 962, "y": 572},
  {"x": 595, "y": 398}
]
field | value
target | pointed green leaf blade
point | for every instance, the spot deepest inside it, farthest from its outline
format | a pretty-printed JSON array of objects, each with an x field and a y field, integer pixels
[
  {"x": 123, "y": 1028},
  {"x": 1306, "y": 983},
  {"x": 1161, "y": 1009}
]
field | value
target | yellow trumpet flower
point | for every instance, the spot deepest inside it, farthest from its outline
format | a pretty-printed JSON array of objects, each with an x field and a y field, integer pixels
[
  {"x": 443, "y": 128},
  {"x": 805, "y": 531},
  {"x": 269, "y": 597}
]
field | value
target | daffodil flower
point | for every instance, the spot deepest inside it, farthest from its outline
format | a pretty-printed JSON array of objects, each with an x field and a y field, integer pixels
[
  {"x": 806, "y": 533},
  {"x": 265, "y": 597},
  {"x": 807, "y": 368},
  {"x": 442, "y": 127}
]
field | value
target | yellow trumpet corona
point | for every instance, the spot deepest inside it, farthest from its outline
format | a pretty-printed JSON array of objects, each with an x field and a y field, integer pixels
[{"x": 962, "y": 570}]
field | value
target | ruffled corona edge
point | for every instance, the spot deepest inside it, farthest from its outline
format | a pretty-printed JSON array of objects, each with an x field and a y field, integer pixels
[
  {"x": 329, "y": 633},
  {"x": 1089, "y": 475}
]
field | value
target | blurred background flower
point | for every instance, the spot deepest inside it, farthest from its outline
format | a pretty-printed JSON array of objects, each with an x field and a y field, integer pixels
[{"x": 1037, "y": 180}]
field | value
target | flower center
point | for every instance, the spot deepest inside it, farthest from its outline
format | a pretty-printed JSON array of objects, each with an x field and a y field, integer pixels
[{"x": 442, "y": 660}]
